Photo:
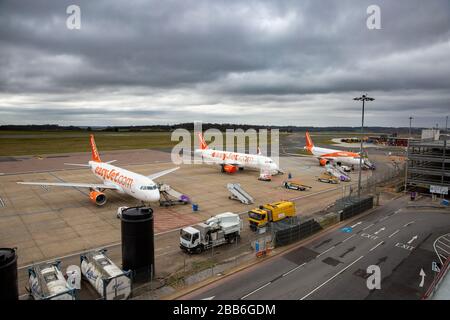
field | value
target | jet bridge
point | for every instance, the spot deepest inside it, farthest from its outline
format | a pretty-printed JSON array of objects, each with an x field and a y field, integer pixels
[{"x": 237, "y": 193}]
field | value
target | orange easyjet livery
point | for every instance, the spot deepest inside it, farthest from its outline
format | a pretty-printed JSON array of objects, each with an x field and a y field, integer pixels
[
  {"x": 230, "y": 162},
  {"x": 114, "y": 178},
  {"x": 327, "y": 156}
]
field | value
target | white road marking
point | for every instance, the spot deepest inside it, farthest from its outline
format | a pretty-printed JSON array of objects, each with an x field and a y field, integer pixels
[
  {"x": 412, "y": 239},
  {"x": 2, "y": 204},
  {"x": 209, "y": 298},
  {"x": 368, "y": 226},
  {"x": 442, "y": 249},
  {"x": 376, "y": 246},
  {"x": 356, "y": 224},
  {"x": 409, "y": 223},
  {"x": 331, "y": 279},
  {"x": 384, "y": 218},
  {"x": 395, "y": 232},
  {"x": 382, "y": 229},
  {"x": 256, "y": 290},
  {"x": 326, "y": 251},
  {"x": 348, "y": 238},
  {"x": 422, "y": 275},
  {"x": 297, "y": 267}
]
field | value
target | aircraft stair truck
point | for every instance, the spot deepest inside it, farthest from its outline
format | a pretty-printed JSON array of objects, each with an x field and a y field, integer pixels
[
  {"x": 220, "y": 229},
  {"x": 271, "y": 212},
  {"x": 333, "y": 170}
]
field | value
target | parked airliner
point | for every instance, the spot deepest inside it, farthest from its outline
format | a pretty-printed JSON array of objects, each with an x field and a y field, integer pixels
[
  {"x": 230, "y": 162},
  {"x": 114, "y": 178},
  {"x": 327, "y": 156}
]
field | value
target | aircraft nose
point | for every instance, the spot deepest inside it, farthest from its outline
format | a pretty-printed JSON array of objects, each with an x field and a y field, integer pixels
[{"x": 154, "y": 196}]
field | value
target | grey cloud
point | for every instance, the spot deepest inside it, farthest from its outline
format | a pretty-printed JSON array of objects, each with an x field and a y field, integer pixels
[{"x": 249, "y": 57}]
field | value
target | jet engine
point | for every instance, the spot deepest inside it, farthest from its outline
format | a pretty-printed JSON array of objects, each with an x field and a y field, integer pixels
[
  {"x": 228, "y": 168},
  {"x": 323, "y": 162},
  {"x": 97, "y": 197}
]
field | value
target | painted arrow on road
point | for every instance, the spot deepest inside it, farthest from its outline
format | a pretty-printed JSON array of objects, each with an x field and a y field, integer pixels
[
  {"x": 382, "y": 229},
  {"x": 322, "y": 243},
  {"x": 422, "y": 274},
  {"x": 347, "y": 252},
  {"x": 209, "y": 298},
  {"x": 356, "y": 224},
  {"x": 412, "y": 240}
]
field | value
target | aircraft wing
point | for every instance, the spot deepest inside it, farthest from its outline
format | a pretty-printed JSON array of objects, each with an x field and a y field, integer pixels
[
  {"x": 161, "y": 173},
  {"x": 73, "y": 185}
]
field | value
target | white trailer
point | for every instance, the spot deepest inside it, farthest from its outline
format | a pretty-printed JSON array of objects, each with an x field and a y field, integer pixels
[
  {"x": 220, "y": 229},
  {"x": 111, "y": 282}
]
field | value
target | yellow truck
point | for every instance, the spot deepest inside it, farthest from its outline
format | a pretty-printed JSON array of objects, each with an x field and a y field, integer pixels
[{"x": 270, "y": 212}]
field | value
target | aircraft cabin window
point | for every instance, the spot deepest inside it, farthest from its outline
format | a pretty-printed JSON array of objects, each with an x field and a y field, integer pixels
[{"x": 154, "y": 187}]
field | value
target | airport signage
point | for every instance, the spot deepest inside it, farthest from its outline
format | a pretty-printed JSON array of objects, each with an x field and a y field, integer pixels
[
  {"x": 438, "y": 189},
  {"x": 434, "y": 267}
]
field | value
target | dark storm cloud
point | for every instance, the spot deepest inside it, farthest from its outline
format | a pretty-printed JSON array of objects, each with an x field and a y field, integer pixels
[{"x": 181, "y": 60}]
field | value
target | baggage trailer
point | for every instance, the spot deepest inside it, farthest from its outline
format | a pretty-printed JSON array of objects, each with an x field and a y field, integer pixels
[{"x": 295, "y": 185}]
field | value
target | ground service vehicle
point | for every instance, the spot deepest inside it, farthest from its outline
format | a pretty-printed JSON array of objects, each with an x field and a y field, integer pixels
[
  {"x": 271, "y": 212},
  {"x": 295, "y": 185},
  {"x": 220, "y": 229},
  {"x": 328, "y": 178}
]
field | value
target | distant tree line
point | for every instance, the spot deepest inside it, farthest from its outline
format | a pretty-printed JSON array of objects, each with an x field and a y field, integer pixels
[{"x": 205, "y": 126}]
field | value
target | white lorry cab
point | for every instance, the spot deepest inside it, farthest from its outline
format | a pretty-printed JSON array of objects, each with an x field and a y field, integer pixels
[{"x": 220, "y": 229}]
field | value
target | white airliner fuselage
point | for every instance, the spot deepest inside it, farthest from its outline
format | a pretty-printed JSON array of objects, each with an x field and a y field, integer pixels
[
  {"x": 231, "y": 161},
  {"x": 121, "y": 180},
  {"x": 124, "y": 181},
  {"x": 240, "y": 160}
]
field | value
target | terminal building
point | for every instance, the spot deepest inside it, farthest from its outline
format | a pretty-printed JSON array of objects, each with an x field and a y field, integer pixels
[{"x": 428, "y": 162}]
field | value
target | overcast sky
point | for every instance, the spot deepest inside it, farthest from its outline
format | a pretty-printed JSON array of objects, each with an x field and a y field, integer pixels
[{"x": 260, "y": 62}]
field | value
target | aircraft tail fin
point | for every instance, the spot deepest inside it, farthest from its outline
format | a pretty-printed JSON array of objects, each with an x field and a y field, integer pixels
[
  {"x": 95, "y": 155},
  {"x": 203, "y": 144},
  {"x": 309, "y": 142}
]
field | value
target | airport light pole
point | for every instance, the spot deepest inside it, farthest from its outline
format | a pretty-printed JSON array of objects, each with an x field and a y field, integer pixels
[
  {"x": 363, "y": 98},
  {"x": 410, "y": 120}
]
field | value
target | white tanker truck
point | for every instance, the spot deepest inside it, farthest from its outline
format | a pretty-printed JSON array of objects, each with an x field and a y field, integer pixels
[{"x": 220, "y": 229}]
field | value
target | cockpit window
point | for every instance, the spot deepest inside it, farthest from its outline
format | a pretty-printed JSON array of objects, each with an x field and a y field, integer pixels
[{"x": 153, "y": 187}]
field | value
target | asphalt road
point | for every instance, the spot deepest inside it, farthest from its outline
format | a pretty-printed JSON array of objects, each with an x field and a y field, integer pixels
[{"x": 334, "y": 266}]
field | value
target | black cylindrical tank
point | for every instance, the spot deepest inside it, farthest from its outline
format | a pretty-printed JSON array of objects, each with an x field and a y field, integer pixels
[
  {"x": 137, "y": 242},
  {"x": 9, "y": 288}
]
